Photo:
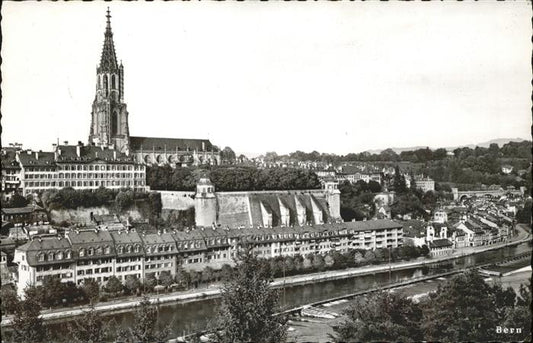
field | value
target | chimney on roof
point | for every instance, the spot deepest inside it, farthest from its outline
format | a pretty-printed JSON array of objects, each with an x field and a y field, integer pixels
[
  {"x": 114, "y": 154},
  {"x": 65, "y": 142},
  {"x": 36, "y": 155},
  {"x": 78, "y": 150}
]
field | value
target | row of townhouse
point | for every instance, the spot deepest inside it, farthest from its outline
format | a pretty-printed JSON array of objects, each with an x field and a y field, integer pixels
[
  {"x": 76, "y": 166},
  {"x": 355, "y": 177},
  {"x": 442, "y": 238},
  {"x": 98, "y": 254},
  {"x": 348, "y": 173}
]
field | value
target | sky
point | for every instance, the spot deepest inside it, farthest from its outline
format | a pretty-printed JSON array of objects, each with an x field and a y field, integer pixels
[{"x": 327, "y": 76}]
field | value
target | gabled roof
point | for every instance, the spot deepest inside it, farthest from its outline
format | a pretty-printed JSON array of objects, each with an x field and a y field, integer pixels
[
  {"x": 124, "y": 238},
  {"x": 33, "y": 159},
  {"x": 350, "y": 169},
  {"x": 158, "y": 238},
  {"x": 90, "y": 153},
  {"x": 440, "y": 243},
  {"x": 45, "y": 244},
  {"x": 9, "y": 160},
  {"x": 91, "y": 239},
  {"x": 106, "y": 218}
]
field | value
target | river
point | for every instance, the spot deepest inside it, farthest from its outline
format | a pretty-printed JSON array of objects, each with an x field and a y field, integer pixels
[{"x": 198, "y": 315}]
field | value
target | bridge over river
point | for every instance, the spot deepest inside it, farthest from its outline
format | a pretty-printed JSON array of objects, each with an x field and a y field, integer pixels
[{"x": 460, "y": 195}]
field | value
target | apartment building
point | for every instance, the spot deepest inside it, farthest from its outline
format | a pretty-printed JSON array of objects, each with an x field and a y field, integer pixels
[
  {"x": 99, "y": 254},
  {"x": 79, "y": 167}
]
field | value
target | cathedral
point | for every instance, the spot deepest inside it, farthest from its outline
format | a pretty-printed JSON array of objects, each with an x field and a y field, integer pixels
[{"x": 109, "y": 121}]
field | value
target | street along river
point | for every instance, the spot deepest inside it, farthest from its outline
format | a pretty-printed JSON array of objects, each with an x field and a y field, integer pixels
[{"x": 197, "y": 315}]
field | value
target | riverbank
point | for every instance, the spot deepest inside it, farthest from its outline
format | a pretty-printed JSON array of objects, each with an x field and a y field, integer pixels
[
  {"x": 199, "y": 294},
  {"x": 305, "y": 329}
]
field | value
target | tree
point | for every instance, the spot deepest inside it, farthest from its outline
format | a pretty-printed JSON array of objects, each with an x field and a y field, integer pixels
[
  {"x": 440, "y": 154},
  {"x": 399, "y": 184},
  {"x": 53, "y": 291},
  {"x": 465, "y": 296},
  {"x": 524, "y": 214},
  {"x": 132, "y": 283},
  {"x": 248, "y": 305},
  {"x": 358, "y": 258},
  {"x": 10, "y": 300},
  {"x": 408, "y": 203},
  {"x": 16, "y": 200},
  {"x": 89, "y": 328},
  {"x": 91, "y": 289},
  {"x": 271, "y": 156},
  {"x": 154, "y": 200},
  {"x": 227, "y": 155},
  {"x": 27, "y": 324},
  {"x": 165, "y": 278},
  {"x": 226, "y": 272},
  {"x": 381, "y": 316},
  {"x": 195, "y": 277},
  {"x": 184, "y": 278},
  {"x": 145, "y": 320},
  {"x": 519, "y": 316},
  {"x": 113, "y": 285},
  {"x": 124, "y": 200},
  {"x": 150, "y": 281},
  {"x": 318, "y": 262},
  {"x": 35, "y": 294},
  {"x": 374, "y": 187},
  {"x": 424, "y": 250},
  {"x": 329, "y": 260},
  {"x": 207, "y": 274}
]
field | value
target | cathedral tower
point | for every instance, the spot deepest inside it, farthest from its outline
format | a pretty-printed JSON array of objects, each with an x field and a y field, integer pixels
[{"x": 109, "y": 117}]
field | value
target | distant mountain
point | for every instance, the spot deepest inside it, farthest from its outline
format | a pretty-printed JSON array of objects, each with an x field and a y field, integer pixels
[
  {"x": 499, "y": 141},
  {"x": 397, "y": 150}
]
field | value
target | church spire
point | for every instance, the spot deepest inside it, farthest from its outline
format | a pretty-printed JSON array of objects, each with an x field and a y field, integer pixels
[
  {"x": 109, "y": 116},
  {"x": 108, "y": 60}
]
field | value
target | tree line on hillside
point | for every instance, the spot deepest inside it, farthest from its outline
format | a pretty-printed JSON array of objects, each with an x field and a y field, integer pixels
[
  {"x": 231, "y": 178},
  {"x": 512, "y": 150},
  {"x": 466, "y": 168}
]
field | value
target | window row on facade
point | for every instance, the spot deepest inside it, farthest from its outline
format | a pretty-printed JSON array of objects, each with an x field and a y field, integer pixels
[{"x": 61, "y": 184}]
